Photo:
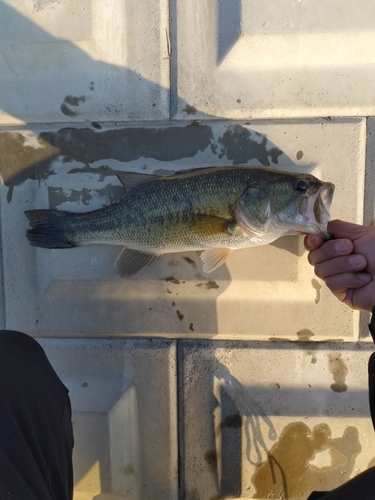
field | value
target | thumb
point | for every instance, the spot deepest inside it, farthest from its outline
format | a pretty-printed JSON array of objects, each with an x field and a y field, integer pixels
[{"x": 339, "y": 229}]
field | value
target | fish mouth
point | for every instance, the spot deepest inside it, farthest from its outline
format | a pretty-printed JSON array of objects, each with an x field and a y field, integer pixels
[
  {"x": 323, "y": 202},
  {"x": 317, "y": 213}
]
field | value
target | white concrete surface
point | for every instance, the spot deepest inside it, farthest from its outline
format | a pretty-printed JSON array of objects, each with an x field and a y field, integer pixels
[
  {"x": 123, "y": 395},
  {"x": 92, "y": 60},
  {"x": 257, "y": 59},
  {"x": 264, "y": 420}
]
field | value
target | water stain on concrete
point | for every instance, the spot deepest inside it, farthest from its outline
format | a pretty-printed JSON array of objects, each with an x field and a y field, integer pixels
[
  {"x": 173, "y": 280},
  {"x": 22, "y": 158},
  {"x": 191, "y": 262},
  {"x": 71, "y": 100},
  {"x": 339, "y": 371},
  {"x": 180, "y": 316},
  {"x": 241, "y": 145},
  {"x": 190, "y": 110},
  {"x": 129, "y": 144},
  {"x": 305, "y": 335},
  {"x": 58, "y": 196},
  {"x": 209, "y": 285},
  {"x": 315, "y": 283},
  {"x": 39, "y": 5},
  {"x": 288, "y": 473},
  {"x": 313, "y": 356}
]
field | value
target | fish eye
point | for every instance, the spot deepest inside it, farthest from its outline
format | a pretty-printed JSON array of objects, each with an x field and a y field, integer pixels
[{"x": 301, "y": 186}]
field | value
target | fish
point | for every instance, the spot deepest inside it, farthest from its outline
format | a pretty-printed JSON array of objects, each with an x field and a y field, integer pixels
[{"x": 214, "y": 210}]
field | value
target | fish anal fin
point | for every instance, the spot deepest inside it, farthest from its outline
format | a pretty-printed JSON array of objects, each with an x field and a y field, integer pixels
[
  {"x": 133, "y": 179},
  {"x": 131, "y": 261},
  {"x": 213, "y": 258}
]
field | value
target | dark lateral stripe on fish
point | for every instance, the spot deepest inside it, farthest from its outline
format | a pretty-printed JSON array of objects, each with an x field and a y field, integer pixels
[{"x": 47, "y": 229}]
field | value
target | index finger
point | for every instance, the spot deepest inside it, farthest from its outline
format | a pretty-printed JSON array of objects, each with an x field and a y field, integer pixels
[
  {"x": 313, "y": 241},
  {"x": 330, "y": 250}
]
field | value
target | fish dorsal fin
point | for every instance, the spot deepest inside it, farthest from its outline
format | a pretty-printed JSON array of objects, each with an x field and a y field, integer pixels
[
  {"x": 133, "y": 179},
  {"x": 213, "y": 258},
  {"x": 131, "y": 261}
]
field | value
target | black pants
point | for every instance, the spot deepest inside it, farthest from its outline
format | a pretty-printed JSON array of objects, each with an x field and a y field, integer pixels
[{"x": 36, "y": 436}]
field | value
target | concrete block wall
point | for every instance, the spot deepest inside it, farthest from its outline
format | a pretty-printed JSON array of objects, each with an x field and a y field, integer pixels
[{"x": 249, "y": 382}]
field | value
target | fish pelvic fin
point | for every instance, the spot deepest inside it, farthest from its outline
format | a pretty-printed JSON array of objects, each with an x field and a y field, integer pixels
[
  {"x": 131, "y": 261},
  {"x": 213, "y": 258},
  {"x": 47, "y": 229}
]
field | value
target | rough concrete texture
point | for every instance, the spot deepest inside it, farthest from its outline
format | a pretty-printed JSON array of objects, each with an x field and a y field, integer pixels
[
  {"x": 302, "y": 59},
  {"x": 272, "y": 421},
  {"x": 123, "y": 395},
  {"x": 87, "y": 61}
]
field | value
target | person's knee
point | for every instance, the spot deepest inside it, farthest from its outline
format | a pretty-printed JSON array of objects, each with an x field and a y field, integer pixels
[
  {"x": 15, "y": 342},
  {"x": 20, "y": 354}
]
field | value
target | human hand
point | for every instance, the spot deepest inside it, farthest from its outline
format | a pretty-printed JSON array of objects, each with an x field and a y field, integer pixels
[{"x": 346, "y": 263}]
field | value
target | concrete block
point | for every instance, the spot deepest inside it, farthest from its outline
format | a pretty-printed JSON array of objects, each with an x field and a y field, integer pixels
[
  {"x": 257, "y": 59},
  {"x": 261, "y": 420},
  {"x": 92, "y": 60},
  {"x": 123, "y": 395},
  {"x": 265, "y": 292}
]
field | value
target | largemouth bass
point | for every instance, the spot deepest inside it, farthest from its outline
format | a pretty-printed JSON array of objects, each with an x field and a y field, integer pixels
[{"x": 214, "y": 209}]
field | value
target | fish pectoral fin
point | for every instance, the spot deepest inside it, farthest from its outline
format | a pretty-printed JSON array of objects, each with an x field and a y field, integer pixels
[
  {"x": 133, "y": 179},
  {"x": 213, "y": 258},
  {"x": 210, "y": 224},
  {"x": 131, "y": 261}
]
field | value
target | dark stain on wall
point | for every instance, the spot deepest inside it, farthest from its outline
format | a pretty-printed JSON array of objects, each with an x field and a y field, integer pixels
[
  {"x": 297, "y": 446},
  {"x": 58, "y": 196},
  {"x": 71, "y": 100},
  {"x": 129, "y": 144},
  {"x": 24, "y": 157},
  {"x": 339, "y": 371},
  {"x": 241, "y": 145},
  {"x": 21, "y": 160}
]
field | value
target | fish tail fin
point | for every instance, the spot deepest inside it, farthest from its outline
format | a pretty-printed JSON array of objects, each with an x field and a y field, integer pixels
[{"x": 48, "y": 229}]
